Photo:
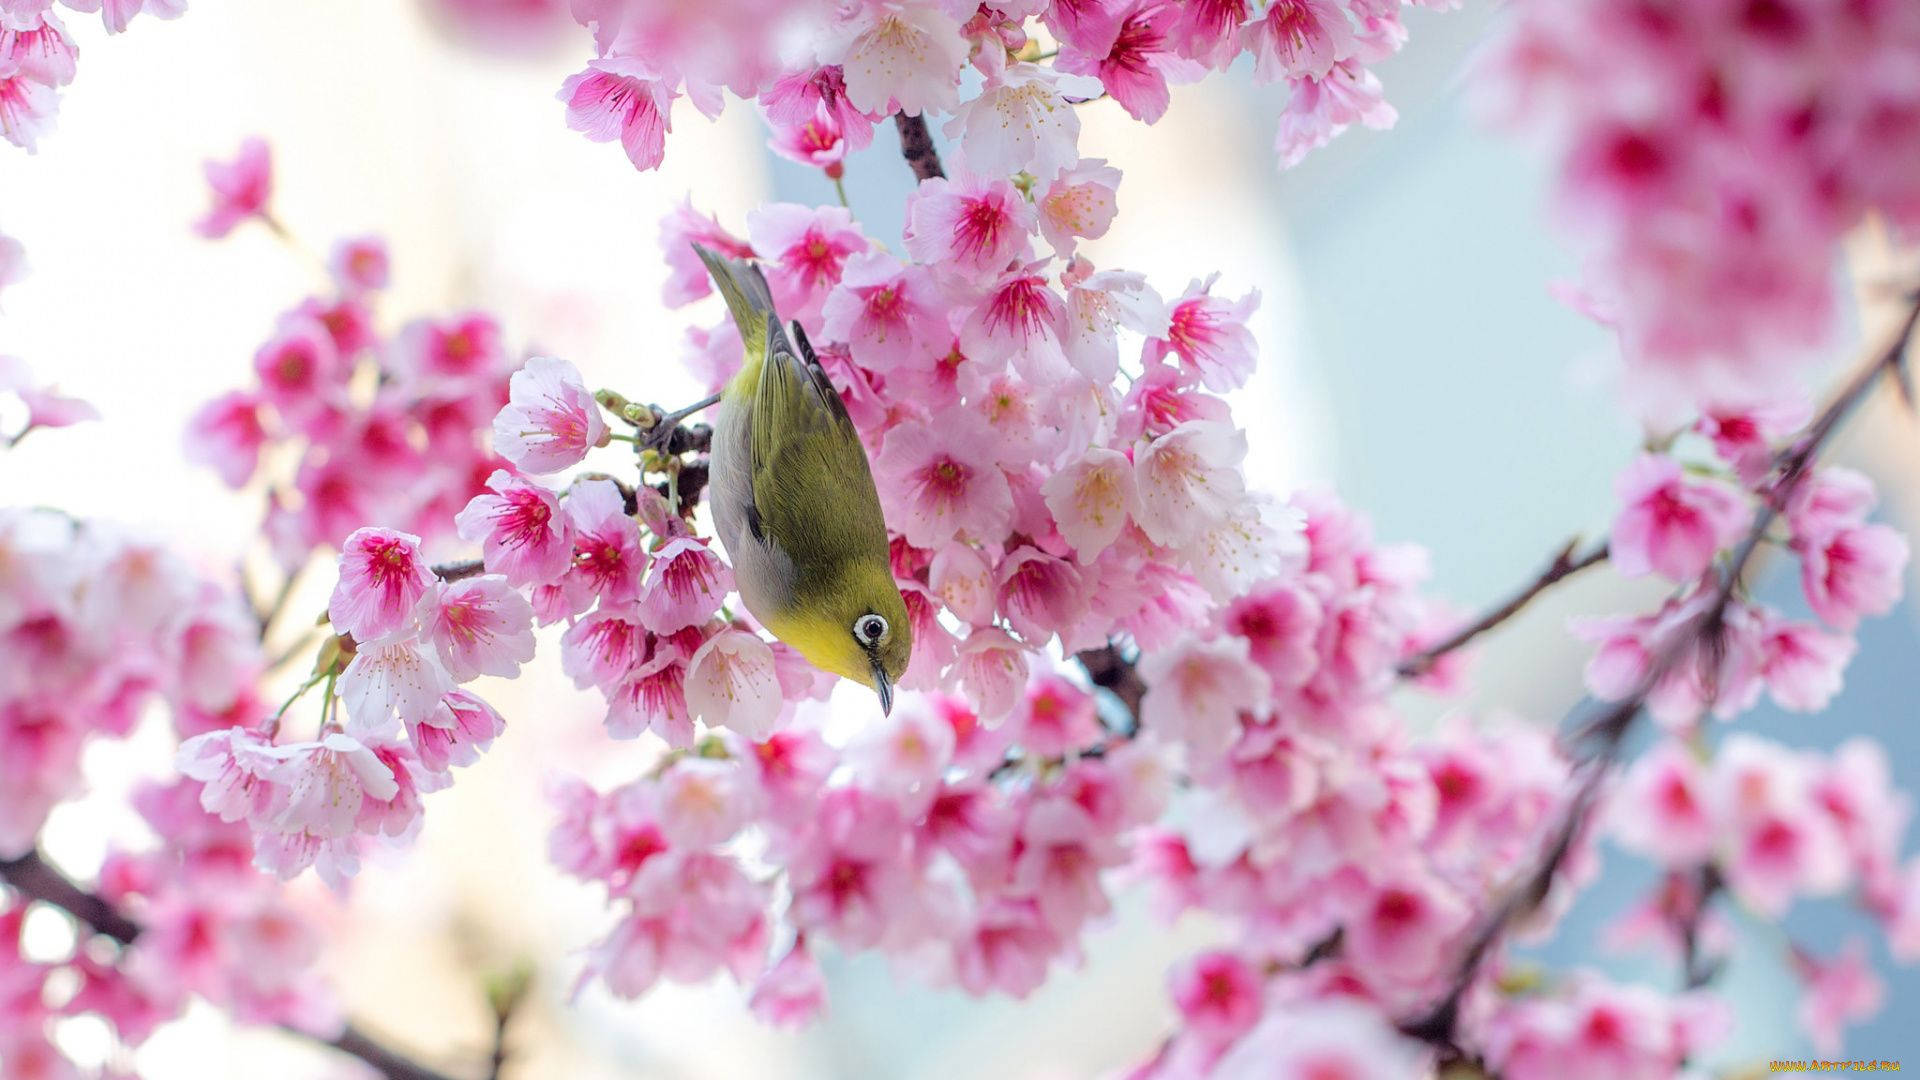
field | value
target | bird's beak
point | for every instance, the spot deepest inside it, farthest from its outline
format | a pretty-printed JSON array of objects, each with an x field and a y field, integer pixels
[{"x": 885, "y": 687}]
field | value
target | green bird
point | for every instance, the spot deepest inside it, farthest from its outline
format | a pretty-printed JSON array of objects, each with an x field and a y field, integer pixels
[{"x": 794, "y": 503}]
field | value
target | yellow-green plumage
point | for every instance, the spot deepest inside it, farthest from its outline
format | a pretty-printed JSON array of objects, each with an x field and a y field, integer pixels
[{"x": 794, "y": 501}]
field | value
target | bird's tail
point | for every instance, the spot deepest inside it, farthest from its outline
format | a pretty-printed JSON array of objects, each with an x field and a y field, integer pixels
[{"x": 747, "y": 295}]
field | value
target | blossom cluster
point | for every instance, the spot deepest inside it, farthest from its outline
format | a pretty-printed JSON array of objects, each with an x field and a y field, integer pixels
[
  {"x": 38, "y": 57},
  {"x": 376, "y": 426},
  {"x": 1059, "y": 474},
  {"x": 209, "y": 925},
  {"x": 1771, "y": 825},
  {"x": 94, "y": 627},
  {"x": 1676, "y": 518},
  {"x": 1711, "y": 157},
  {"x": 404, "y": 642},
  {"x": 97, "y": 629},
  {"x": 823, "y": 74}
]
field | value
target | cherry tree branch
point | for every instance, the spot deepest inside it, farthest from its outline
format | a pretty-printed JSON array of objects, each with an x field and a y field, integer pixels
[
  {"x": 1595, "y": 744},
  {"x": 916, "y": 145},
  {"x": 36, "y": 879},
  {"x": 33, "y": 877},
  {"x": 1565, "y": 564},
  {"x": 458, "y": 569}
]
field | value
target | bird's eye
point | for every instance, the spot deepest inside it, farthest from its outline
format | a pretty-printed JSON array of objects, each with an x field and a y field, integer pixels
[{"x": 870, "y": 629}]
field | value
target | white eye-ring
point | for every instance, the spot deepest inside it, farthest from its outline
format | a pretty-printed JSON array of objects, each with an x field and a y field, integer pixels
[{"x": 870, "y": 629}]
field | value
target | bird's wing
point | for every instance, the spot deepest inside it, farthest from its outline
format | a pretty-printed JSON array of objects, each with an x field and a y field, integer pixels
[{"x": 813, "y": 492}]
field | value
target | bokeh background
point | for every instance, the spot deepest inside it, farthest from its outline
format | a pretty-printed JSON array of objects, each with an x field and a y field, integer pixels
[{"x": 1412, "y": 359}]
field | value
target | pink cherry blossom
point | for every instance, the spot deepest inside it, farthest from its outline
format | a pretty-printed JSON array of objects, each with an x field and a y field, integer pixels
[
  {"x": 1594, "y": 1029},
  {"x": 1023, "y": 121},
  {"x": 302, "y": 374},
  {"x": 37, "y": 47},
  {"x": 1126, "y": 46},
  {"x": 240, "y": 188},
  {"x": 1852, "y": 571},
  {"x": 940, "y": 481},
  {"x": 1299, "y": 38},
  {"x": 898, "y": 55},
  {"x": 621, "y": 97},
  {"x": 1187, "y": 480},
  {"x": 1056, "y": 718},
  {"x": 886, "y": 311},
  {"x": 450, "y": 355},
  {"x": 1779, "y": 843},
  {"x": 1744, "y": 436},
  {"x": 236, "y": 768},
  {"x": 686, "y": 586},
  {"x": 1021, "y": 318},
  {"x": 455, "y": 733},
  {"x": 992, "y": 668},
  {"x": 522, "y": 532},
  {"x": 971, "y": 228},
  {"x": 1092, "y": 500},
  {"x": 1671, "y": 525},
  {"x": 117, "y": 13},
  {"x": 848, "y": 867},
  {"x": 1323, "y": 108},
  {"x": 26, "y": 110},
  {"x": 791, "y": 993},
  {"x": 478, "y": 626},
  {"x": 392, "y": 683},
  {"x": 550, "y": 421},
  {"x": 1039, "y": 592},
  {"x": 814, "y": 141},
  {"x": 1662, "y": 807},
  {"x": 608, "y": 557},
  {"x": 327, "y": 782},
  {"x": 731, "y": 684},
  {"x": 683, "y": 227},
  {"x": 797, "y": 97},
  {"x": 1210, "y": 336},
  {"x": 227, "y": 435},
  {"x": 360, "y": 264},
  {"x": 1841, "y": 991},
  {"x": 382, "y": 578},
  {"x": 803, "y": 250},
  {"x": 903, "y": 755},
  {"x": 1281, "y": 624},
  {"x": 1197, "y": 691},
  {"x": 1079, "y": 204},
  {"x": 602, "y": 648},
  {"x": 1802, "y": 665}
]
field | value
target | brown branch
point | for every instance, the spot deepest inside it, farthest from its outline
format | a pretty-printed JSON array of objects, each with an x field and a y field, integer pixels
[
  {"x": 1111, "y": 671},
  {"x": 916, "y": 145},
  {"x": 36, "y": 879},
  {"x": 1697, "y": 970},
  {"x": 458, "y": 569},
  {"x": 1565, "y": 564},
  {"x": 1595, "y": 744}
]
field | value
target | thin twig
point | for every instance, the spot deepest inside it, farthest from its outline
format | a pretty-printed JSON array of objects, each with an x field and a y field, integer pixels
[
  {"x": 1595, "y": 744},
  {"x": 458, "y": 569},
  {"x": 37, "y": 879},
  {"x": 1697, "y": 969},
  {"x": 1565, "y": 564},
  {"x": 916, "y": 145}
]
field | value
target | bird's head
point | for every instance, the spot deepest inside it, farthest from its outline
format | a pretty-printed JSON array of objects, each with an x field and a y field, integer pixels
[{"x": 857, "y": 629}]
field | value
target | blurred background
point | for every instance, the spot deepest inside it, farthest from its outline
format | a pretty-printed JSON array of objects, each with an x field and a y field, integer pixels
[{"x": 1412, "y": 360}]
